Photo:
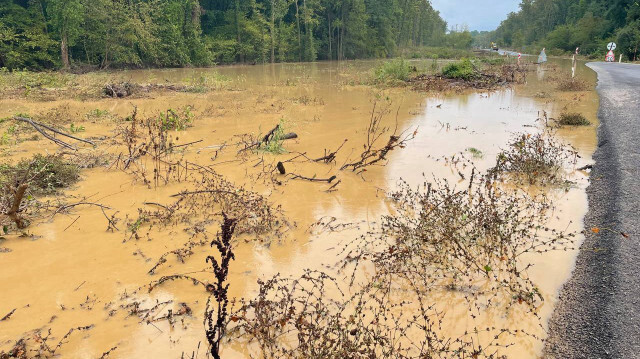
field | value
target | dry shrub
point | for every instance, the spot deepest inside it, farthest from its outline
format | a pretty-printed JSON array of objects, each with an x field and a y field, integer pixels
[
  {"x": 470, "y": 242},
  {"x": 535, "y": 159},
  {"x": 573, "y": 119},
  {"x": 376, "y": 149},
  {"x": 36, "y": 344},
  {"x": 212, "y": 194},
  {"x": 150, "y": 147},
  {"x": 572, "y": 84}
]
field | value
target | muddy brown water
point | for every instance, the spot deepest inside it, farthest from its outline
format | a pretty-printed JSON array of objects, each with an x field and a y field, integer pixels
[{"x": 70, "y": 272}]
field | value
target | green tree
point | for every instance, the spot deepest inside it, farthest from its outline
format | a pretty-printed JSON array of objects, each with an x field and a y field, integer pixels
[{"x": 66, "y": 17}]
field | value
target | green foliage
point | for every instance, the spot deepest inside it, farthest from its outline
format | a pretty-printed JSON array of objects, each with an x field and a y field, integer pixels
[
  {"x": 97, "y": 113},
  {"x": 45, "y": 174},
  {"x": 48, "y": 34},
  {"x": 628, "y": 39},
  {"x": 75, "y": 129},
  {"x": 394, "y": 70},
  {"x": 462, "y": 70},
  {"x": 436, "y": 53},
  {"x": 476, "y": 153},
  {"x": 176, "y": 120},
  {"x": 563, "y": 25},
  {"x": 24, "y": 41},
  {"x": 459, "y": 39},
  {"x": 275, "y": 143}
]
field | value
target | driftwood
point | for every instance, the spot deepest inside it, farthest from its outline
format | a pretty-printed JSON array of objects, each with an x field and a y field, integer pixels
[
  {"x": 269, "y": 137},
  {"x": 8, "y": 315},
  {"x": 124, "y": 89},
  {"x": 18, "y": 195},
  {"x": 42, "y": 127},
  {"x": 331, "y": 156},
  {"x": 313, "y": 179}
]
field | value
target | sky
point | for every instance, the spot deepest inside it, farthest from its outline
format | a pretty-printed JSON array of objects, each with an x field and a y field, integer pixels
[{"x": 477, "y": 14}]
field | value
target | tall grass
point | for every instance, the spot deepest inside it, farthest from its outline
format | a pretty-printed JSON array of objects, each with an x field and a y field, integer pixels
[{"x": 393, "y": 71}]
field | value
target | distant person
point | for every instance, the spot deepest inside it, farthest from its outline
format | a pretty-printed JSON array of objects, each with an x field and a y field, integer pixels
[{"x": 543, "y": 57}]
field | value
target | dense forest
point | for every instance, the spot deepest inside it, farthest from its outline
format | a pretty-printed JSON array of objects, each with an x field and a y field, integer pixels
[
  {"x": 50, "y": 34},
  {"x": 563, "y": 25}
]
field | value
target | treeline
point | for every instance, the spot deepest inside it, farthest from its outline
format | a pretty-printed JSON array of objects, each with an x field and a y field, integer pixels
[
  {"x": 563, "y": 25},
  {"x": 49, "y": 34}
]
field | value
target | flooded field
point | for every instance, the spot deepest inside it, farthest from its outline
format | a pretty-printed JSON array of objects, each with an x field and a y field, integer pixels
[{"x": 93, "y": 253}]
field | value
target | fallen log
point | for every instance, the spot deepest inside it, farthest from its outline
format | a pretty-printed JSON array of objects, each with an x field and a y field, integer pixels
[
  {"x": 39, "y": 127},
  {"x": 313, "y": 179},
  {"x": 271, "y": 135}
]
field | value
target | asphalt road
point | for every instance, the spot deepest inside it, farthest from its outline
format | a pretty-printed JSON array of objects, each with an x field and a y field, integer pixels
[{"x": 599, "y": 311}]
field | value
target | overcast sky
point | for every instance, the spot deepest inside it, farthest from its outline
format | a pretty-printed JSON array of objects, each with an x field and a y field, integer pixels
[{"x": 478, "y": 14}]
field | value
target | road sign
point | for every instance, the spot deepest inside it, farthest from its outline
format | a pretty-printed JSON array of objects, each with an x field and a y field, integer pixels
[
  {"x": 611, "y": 57},
  {"x": 611, "y": 46}
]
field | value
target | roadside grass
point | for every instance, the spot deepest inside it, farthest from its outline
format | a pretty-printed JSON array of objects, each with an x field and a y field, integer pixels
[
  {"x": 573, "y": 119},
  {"x": 397, "y": 70}
]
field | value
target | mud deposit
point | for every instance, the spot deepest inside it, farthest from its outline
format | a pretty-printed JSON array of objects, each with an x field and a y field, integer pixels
[{"x": 73, "y": 267}]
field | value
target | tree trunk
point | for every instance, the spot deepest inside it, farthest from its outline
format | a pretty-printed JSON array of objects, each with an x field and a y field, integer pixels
[
  {"x": 273, "y": 31},
  {"x": 44, "y": 18},
  {"x": 64, "y": 52},
  {"x": 309, "y": 53},
  {"x": 299, "y": 32},
  {"x": 341, "y": 45},
  {"x": 238, "y": 38},
  {"x": 330, "y": 57}
]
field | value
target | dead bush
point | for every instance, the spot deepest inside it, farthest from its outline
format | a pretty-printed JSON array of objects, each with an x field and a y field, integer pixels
[
  {"x": 572, "y": 84},
  {"x": 467, "y": 241},
  {"x": 535, "y": 159}
]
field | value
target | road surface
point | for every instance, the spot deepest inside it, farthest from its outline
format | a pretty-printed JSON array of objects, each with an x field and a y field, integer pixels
[{"x": 599, "y": 311}]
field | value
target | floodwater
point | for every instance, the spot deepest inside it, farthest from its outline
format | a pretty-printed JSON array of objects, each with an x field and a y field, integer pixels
[{"x": 70, "y": 272}]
